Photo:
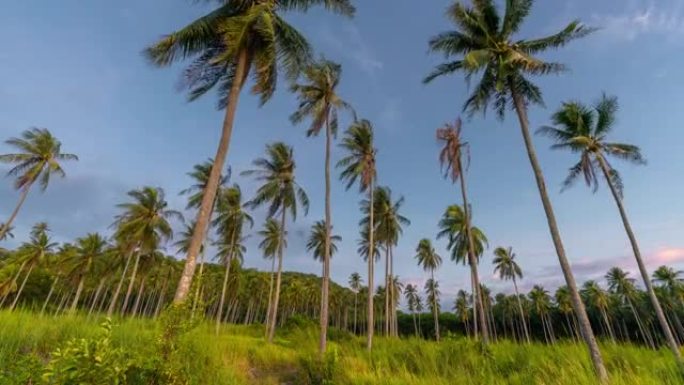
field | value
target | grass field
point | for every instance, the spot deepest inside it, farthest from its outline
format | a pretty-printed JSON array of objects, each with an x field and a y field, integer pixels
[{"x": 240, "y": 356}]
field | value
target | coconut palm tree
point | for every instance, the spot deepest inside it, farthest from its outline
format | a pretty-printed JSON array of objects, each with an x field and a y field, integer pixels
[
  {"x": 318, "y": 101},
  {"x": 39, "y": 158},
  {"x": 620, "y": 284},
  {"x": 33, "y": 254},
  {"x": 462, "y": 309},
  {"x": 316, "y": 244},
  {"x": 429, "y": 260},
  {"x": 671, "y": 280},
  {"x": 508, "y": 269},
  {"x": 231, "y": 218},
  {"x": 281, "y": 193},
  {"x": 541, "y": 303},
  {"x": 584, "y": 130},
  {"x": 140, "y": 229},
  {"x": 89, "y": 250},
  {"x": 359, "y": 165},
  {"x": 182, "y": 245},
  {"x": 433, "y": 293},
  {"x": 200, "y": 174},
  {"x": 273, "y": 236},
  {"x": 236, "y": 39},
  {"x": 482, "y": 44},
  {"x": 355, "y": 283},
  {"x": 564, "y": 306},
  {"x": 451, "y": 160},
  {"x": 598, "y": 298},
  {"x": 411, "y": 294},
  {"x": 7, "y": 233}
]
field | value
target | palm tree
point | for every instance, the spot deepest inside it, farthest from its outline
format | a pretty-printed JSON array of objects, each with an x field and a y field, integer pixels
[
  {"x": 359, "y": 165},
  {"x": 564, "y": 306},
  {"x": 482, "y": 42},
  {"x": 318, "y": 240},
  {"x": 39, "y": 157},
  {"x": 541, "y": 303},
  {"x": 141, "y": 228},
  {"x": 200, "y": 174},
  {"x": 584, "y": 130},
  {"x": 411, "y": 293},
  {"x": 598, "y": 298},
  {"x": 282, "y": 193},
  {"x": 228, "y": 44},
  {"x": 461, "y": 308},
  {"x": 623, "y": 286},
  {"x": 7, "y": 233},
  {"x": 433, "y": 293},
  {"x": 429, "y": 260},
  {"x": 507, "y": 267},
  {"x": 671, "y": 280},
  {"x": 450, "y": 159},
  {"x": 459, "y": 233},
  {"x": 32, "y": 254},
  {"x": 355, "y": 283},
  {"x": 182, "y": 245},
  {"x": 273, "y": 237},
  {"x": 229, "y": 224},
  {"x": 89, "y": 250},
  {"x": 318, "y": 101}
]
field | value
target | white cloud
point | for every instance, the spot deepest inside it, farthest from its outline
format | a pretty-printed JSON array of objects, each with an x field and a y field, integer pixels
[
  {"x": 352, "y": 44},
  {"x": 643, "y": 20}
]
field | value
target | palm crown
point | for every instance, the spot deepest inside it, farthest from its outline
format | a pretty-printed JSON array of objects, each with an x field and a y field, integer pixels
[
  {"x": 505, "y": 264},
  {"x": 359, "y": 164},
  {"x": 483, "y": 43},
  {"x": 584, "y": 130},
  {"x": 427, "y": 257},
  {"x": 200, "y": 175},
  {"x": 453, "y": 227},
  {"x": 272, "y": 236},
  {"x": 316, "y": 241},
  {"x": 454, "y": 147}
]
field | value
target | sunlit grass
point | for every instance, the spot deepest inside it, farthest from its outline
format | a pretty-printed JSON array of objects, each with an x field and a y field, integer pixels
[{"x": 239, "y": 355}]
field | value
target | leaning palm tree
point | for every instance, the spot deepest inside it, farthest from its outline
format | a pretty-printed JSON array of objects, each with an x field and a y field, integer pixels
[
  {"x": 355, "y": 284},
  {"x": 89, "y": 250},
  {"x": 623, "y": 286},
  {"x": 429, "y": 260},
  {"x": 39, "y": 158},
  {"x": 235, "y": 40},
  {"x": 359, "y": 165},
  {"x": 318, "y": 101},
  {"x": 32, "y": 254},
  {"x": 451, "y": 161},
  {"x": 583, "y": 130},
  {"x": 507, "y": 267},
  {"x": 231, "y": 218},
  {"x": 281, "y": 193},
  {"x": 482, "y": 43},
  {"x": 459, "y": 233}
]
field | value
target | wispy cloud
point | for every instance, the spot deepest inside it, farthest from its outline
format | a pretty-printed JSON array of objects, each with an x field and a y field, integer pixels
[
  {"x": 648, "y": 18},
  {"x": 351, "y": 43}
]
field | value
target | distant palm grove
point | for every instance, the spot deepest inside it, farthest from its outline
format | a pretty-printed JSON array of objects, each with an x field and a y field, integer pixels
[{"x": 155, "y": 259}]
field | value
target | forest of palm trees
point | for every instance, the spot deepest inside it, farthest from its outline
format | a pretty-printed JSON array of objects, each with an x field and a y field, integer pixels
[{"x": 154, "y": 258}]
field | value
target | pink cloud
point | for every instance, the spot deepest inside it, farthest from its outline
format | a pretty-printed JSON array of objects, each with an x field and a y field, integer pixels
[{"x": 668, "y": 255}]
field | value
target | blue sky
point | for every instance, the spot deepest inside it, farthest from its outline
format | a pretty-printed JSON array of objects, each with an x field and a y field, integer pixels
[{"x": 75, "y": 67}]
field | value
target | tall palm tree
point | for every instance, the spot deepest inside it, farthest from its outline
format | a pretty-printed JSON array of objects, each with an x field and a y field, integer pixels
[
  {"x": 39, "y": 158},
  {"x": 482, "y": 44},
  {"x": 231, "y": 218},
  {"x": 433, "y": 293},
  {"x": 281, "y": 193},
  {"x": 451, "y": 161},
  {"x": 623, "y": 286},
  {"x": 318, "y": 241},
  {"x": 236, "y": 39},
  {"x": 141, "y": 228},
  {"x": 508, "y": 268},
  {"x": 182, "y": 245},
  {"x": 89, "y": 250},
  {"x": 459, "y": 233},
  {"x": 584, "y": 130},
  {"x": 359, "y": 165},
  {"x": 273, "y": 238},
  {"x": 411, "y": 294},
  {"x": 461, "y": 308},
  {"x": 200, "y": 174},
  {"x": 32, "y": 254},
  {"x": 598, "y": 298},
  {"x": 318, "y": 101},
  {"x": 429, "y": 260},
  {"x": 355, "y": 283},
  {"x": 541, "y": 302},
  {"x": 672, "y": 280},
  {"x": 564, "y": 306}
]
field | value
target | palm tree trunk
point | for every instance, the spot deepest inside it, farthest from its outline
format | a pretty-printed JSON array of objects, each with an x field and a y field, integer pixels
[
  {"x": 270, "y": 296},
  {"x": 325, "y": 284},
  {"x": 117, "y": 291},
  {"x": 5, "y": 228},
  {"x": 129, "y": 291},
  {"x": 14, "y": 282},
  {"x": 47, "y": 299},
  {"x": 79, "y": 290},
  {"x": 387, "y": 290},
  {"x": 667, "y": 332},
  {"x": 371, "y": 271},
  {"x": 472, "y": 259},
  {"x": 219, "y": 311},
  {"x": 138, "y": 298},
  {"x": 435, "y": 309},
  {"x": 97, "y": 296},
  {"x": 202, "y": 223},
  {"x": 607, "y": 322},
  {"x": 198, "y": 285},
  {"x": 578, "y": 306},
  {"x": 160, "y": 301},
  {"x": 276, "y": 296},
  {"x": 21, "y": 289},
  {"x": 522, "y": 313},
  {"x": 638, "y": 321}
]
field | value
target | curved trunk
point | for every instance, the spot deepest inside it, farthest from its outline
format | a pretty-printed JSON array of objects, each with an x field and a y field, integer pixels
[
  {"x": 472, "y": 259},
  {"x": 117, "y": 291},
  {"x": 371, "y": 259},
  {"x": 522, "y": 313},
  {"x": 325, "y": 284},
  {"x": 129, "y": 291},
  {"x": 47, "y": 299},
  {"x": 578, "y": 306},
  {"x": 79, "y": 290},
  {"x": 667, "y": 332},
  {"x": 21, "y": 289},
  {"x": 202, "y": 223},
  {"x": 5, "y": 228},
  {"x": 276, "y": 296},
  {"x": 219, "y": 312}
]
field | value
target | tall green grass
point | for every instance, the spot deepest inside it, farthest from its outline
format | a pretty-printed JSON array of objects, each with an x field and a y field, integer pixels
[{"x": 239, "y": 355}]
